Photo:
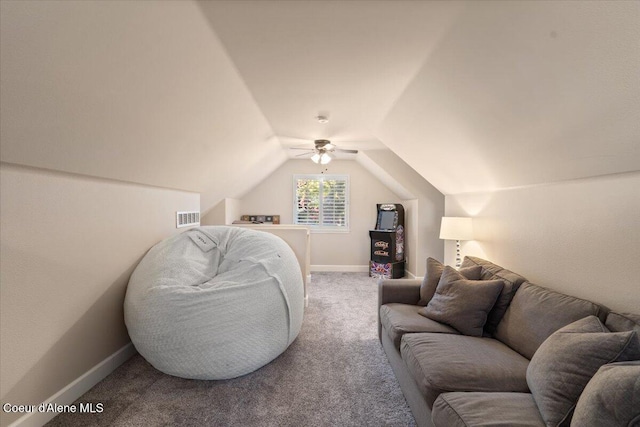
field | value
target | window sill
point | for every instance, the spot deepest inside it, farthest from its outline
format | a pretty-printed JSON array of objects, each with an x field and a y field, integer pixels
[{"x": 329, "y": 230}]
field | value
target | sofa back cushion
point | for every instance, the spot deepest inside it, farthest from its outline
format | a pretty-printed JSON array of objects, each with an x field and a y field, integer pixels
[
  {"x": 512, "y": 282},
  {"x": 536, "y": 312},
  {"x": 620, "y": 322}
]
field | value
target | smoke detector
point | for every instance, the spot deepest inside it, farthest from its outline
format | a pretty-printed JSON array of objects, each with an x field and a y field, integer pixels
[{"x": 322, "y": 119}]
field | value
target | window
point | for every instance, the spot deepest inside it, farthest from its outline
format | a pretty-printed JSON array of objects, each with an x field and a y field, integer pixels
[{"x": 321, "y": 201}]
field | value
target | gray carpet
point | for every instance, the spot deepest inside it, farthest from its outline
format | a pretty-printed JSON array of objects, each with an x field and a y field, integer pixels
[{"x": 334, "y": 374}]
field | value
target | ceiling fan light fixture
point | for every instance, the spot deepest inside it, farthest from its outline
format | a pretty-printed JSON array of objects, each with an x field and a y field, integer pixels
[
  {"x": 325, "y": 158},
  {"x": 323, "y": 150}
]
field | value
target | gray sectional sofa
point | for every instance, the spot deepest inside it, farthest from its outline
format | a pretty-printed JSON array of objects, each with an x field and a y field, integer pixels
[{"x": 540, "y": 358}]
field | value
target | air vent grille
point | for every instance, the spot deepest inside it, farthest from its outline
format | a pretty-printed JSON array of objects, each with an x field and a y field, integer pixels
[{"x": 187, "y": 219}]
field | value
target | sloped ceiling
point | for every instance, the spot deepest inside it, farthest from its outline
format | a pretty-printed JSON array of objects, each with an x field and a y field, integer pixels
[
  {"x": 474, "y": 96},
  {"x": 349, "y": 60},
  {"x": 137, "y": 91},
  {"x": 522, "y": 93}
]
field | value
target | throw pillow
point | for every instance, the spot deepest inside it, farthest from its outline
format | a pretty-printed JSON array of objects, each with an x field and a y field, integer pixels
[
  {"x": 512, "y": 282},
  {"x": 611, "y": 398},
  {"x": 433, "y": 274},
  {"x": 461, "y": 303},
  {"x": 565, "y": 362}
]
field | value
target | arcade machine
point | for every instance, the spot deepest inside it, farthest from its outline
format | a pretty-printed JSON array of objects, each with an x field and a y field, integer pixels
[{"x": 387, "y": 243}]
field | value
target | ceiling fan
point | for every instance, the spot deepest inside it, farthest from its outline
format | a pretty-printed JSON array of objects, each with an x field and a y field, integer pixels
[{"x": 322, "y": 151}]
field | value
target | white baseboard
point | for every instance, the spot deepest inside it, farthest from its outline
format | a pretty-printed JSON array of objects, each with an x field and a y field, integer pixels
[
  {"x": 341, "y": 268},
  {"x": 352, "y": 269},
  {"x": 78, "y": 387}
]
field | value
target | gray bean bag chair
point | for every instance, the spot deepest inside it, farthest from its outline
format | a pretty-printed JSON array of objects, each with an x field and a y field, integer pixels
[{"x": 215, "y": 302}]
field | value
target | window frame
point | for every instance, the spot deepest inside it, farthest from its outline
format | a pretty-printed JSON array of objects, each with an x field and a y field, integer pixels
[{"x": 321, "y": 228}]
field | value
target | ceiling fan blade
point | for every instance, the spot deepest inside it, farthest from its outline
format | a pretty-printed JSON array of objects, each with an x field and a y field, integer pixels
[
  {"x": 303, "y": 154},
  {"x": 301, "y": 148},
  {"x": 342, "y": 150}
]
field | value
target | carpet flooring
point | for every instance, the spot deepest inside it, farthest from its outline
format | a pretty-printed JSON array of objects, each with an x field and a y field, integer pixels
[{"x": 334, "y": 374}]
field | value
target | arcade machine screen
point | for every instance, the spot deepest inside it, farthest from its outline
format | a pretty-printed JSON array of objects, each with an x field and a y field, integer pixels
[{"x": 387, "y": 220}]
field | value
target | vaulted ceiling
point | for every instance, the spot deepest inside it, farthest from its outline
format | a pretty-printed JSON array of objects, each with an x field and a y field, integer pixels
[
  {"x": 208, "y": 96},
  {"x": 475, "y": 96},
  {"x": 348, "y": 60}
]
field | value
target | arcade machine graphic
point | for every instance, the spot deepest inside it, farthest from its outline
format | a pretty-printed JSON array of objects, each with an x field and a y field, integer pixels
[{"x": 387, "y": 243}]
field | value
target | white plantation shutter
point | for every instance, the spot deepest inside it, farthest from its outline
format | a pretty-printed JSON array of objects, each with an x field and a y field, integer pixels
[
  {"x": 307, "y": 201},
  {"x": 321, "y": 201},
  {"x": 334, "y": 202}
]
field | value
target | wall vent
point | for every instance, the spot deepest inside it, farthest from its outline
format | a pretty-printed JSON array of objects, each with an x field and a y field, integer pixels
[{"x": 187, "y": 219}]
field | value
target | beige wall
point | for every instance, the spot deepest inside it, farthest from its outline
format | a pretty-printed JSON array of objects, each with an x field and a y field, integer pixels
[
  {"x": 216, "y": 215},
  {"x": 412, "y": 225},
  {"x": 68, "y": 246},
  {"x": 579, "y": 237},
  {"x": 428, "y": 208},
  {"x": 274, "y": 195},
  {"x": 224, "y": 213}
]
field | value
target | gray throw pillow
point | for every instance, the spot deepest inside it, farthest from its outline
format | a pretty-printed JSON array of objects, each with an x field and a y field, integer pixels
[
  {"x": 462, "y": 303},
  {"x": 565, "y": 362},
  {"x": 512, "y": 282},
  {"x": 433, "y": 274},
  {"x": 611, "y": 398}
]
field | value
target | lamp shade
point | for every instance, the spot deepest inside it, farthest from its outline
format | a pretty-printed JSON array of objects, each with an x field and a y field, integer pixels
[
  {"x": 325, "y": 158},
  {"x": 456, "y": 228},
  {"x": 321, "y": 157}
]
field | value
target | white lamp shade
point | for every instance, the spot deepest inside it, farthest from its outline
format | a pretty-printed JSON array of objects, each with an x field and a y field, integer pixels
[
  {"x": 321, "y": 157},
  {"x": 325, "y": 158},
  {"x": 456, "y": 228}
]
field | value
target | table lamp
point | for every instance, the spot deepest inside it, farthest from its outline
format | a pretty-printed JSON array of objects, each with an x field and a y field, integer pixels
[{"x": 456, "y": 228}]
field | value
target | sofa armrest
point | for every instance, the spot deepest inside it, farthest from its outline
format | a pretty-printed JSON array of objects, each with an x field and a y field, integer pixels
[{"x": 405, "y": 291}]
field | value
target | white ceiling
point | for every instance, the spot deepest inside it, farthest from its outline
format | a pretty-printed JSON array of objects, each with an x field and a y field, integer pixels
[
  {"x": 524, "y": 93},
  {"x": 136, "y": 91},
  {"x": 347, "y": 60},
  {"x": 475, "y": 96},
  {"x": 207, "y": 96}
]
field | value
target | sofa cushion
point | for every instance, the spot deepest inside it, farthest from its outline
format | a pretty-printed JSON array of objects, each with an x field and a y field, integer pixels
[
  {"x": 611, "y": 398},
  {"x": 433, "y": 274},
  {"x": 535, "y": 313},
  {"x": 620, "y": 322},
  {"x": 463, "y": 304},
  {"x": 512, "y": 282},
  {"x": 440, "y": 363},
  {"x": 399, "y": 319},
  {"x": 566, "y": 361},
  {"x": 475, "y": 409}
]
